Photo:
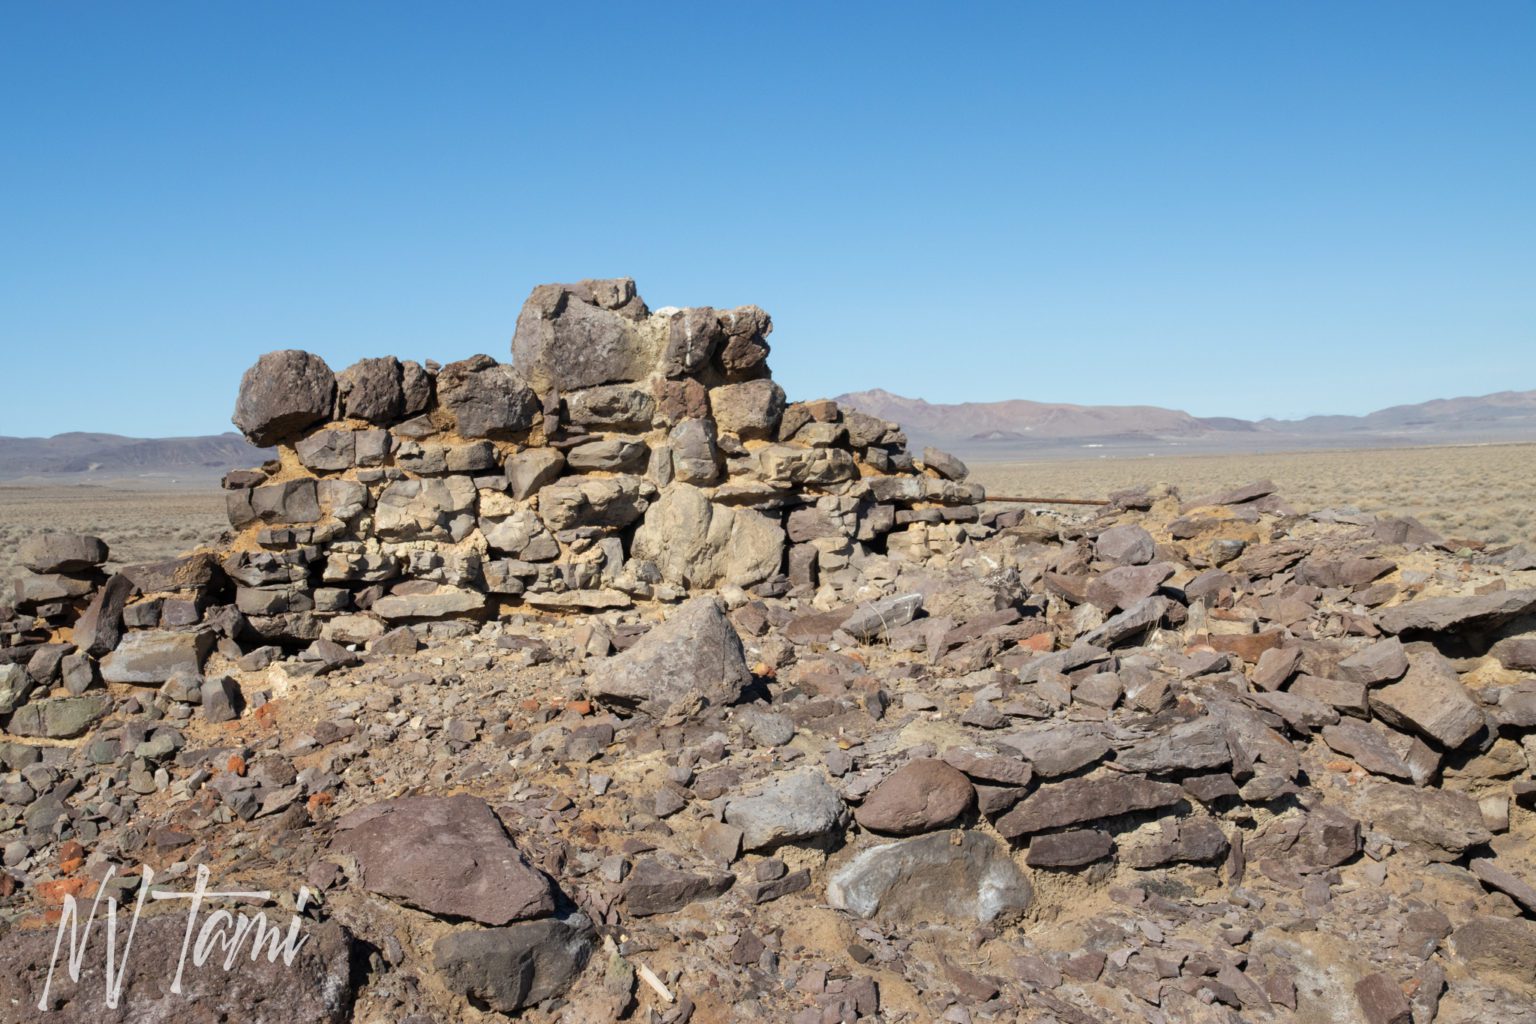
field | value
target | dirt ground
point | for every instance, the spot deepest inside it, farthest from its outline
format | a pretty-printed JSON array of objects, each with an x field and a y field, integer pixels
[
  {"x": 1482, "y": 492},
  {"x": 139, "y": 524}
]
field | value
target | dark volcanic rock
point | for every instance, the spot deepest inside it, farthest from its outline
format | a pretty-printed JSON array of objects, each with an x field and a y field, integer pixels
[
  {"x": 691, "y": 661},
  {"x": 654, "y": 888},
  {"x": 1057, "y": 804},
  {"x": 581, "y": 335},
  {"x": 517, "y": 966},
  {"x": 282, "y": 394},
  {"x": 1437, "y": 615},
  {"x": 1071, "y": 849},
  {"x": 61, "y": 552},
  {"x": 485, "y": 398},
  {"x": 315, "y": 988},
  {"x": 448, "y": 856}
]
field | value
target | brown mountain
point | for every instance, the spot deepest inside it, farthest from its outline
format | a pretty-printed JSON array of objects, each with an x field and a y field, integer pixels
[
  {"x": 1020, "y": 427},
  {"x": 110, "y": 455}
]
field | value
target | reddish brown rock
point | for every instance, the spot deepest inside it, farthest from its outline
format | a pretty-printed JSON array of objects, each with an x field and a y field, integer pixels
[{"x": 920, "y": 796}]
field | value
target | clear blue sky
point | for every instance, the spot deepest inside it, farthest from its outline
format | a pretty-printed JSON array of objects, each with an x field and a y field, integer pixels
[{"x": 1234, "y": 208}]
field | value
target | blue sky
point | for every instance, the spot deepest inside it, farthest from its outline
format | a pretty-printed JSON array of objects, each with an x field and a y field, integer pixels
[{"x": 1234, "y": 208}]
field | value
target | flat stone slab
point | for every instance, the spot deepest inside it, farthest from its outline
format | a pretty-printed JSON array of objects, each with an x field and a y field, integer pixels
[
  {"x": 449, "y": 856},
  {"x": 956, "y": 877}
]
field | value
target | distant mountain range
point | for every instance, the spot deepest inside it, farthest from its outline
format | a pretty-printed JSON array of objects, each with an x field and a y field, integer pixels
[
  {"x": 1021, "y": 428},
  {"x": 985, "y": 430},
  {"x": 80, "y": 456}
]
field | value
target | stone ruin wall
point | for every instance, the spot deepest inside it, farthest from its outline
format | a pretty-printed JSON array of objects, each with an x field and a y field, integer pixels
[{"x": 624, "y": 455}]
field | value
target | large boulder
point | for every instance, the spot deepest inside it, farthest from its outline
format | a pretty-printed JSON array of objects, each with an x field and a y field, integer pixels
[
  {"x": 282, "y": 394},
  {"x": 582, "y": 335},
  {"x": 373, "y": 390},
  {"x": 486, "y": 398},
  {"x": 692, "y": 660},
  {"x": 697, "y": 543},
  {"x": 448, "y": 856},
  {"x": 61, "y": 552}
]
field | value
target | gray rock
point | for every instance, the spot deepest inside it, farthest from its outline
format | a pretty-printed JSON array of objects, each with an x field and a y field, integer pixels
[
  {"x": 1188, "y": 746},
  {"x": 485, "y": 398},
  {"x": 695, "y": 455},
  {"x": 654, "y": 888},
  {"x": 610, "y": 501},
  {"x": 1500, "y": 946},
  {"x": 100, "y": 627},
  {"x": 944, "y": 464},
  {"x": 1430, "y": 700},
  {"x": 522, "y": 535},
  {"x": 1140, "y": 617},
  {"x": 521, "y": 965},
  {"x": 1125, "y": 585},
  {"x": 787, "y": 808},
  {"x": 1060, "y": 749},
  {"x": 1381, "y": 662},
  {"x": 1125, "y": 545},
  {"x": 221, "y": 699},
  {"x": 748, "y": 410},
  {"x": 579, "y": 336},
  {"x": 697, "y": 543},
  {"x": 61, "y": 552},
  {"x": 426, "y": 509},
  {"x": 691, "y": 661},
  {"x": 59, "y": 718},
  {"x": 15, "y": 685},
  {"x": 531, "y": 469},
  {"x": 610, "y": 455},
  {"x": 960, "y": 878},
  {"x": 1440, "y": 823},
  {"x": 1429, "y": 616},
  {"x": 1190, "y": 841},
  {"x": 615, "y": 407},
  {"x": 315, "y": 988},
  {"x": 373, "y": 390},
  {"x": 448, "y": 856},
  {"x": 1071, "y": 849},
  {"x": 282, "y": 394},
  {"x": 1058, "y": 804},
  {"x": 328, "y": 450},
  {"x": 440, "y": 602},
  {"x": 150, "y": 657},
  {"x": 877, "y": 619},
  {"x": 1517, "y": 653},
  {"x": 1369, "y": 747}
]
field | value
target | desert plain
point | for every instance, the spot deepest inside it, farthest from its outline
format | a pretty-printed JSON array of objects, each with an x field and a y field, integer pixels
[{"x": 1482, "y": 493}]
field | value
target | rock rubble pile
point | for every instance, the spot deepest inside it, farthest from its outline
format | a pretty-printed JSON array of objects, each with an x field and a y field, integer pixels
[{"x": 613, "y": 686}]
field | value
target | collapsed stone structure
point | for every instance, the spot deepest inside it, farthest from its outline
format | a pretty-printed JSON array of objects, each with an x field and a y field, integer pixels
[
  {"x": 1214, "y": 760},
  {"x": 625, "y": 454}
]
